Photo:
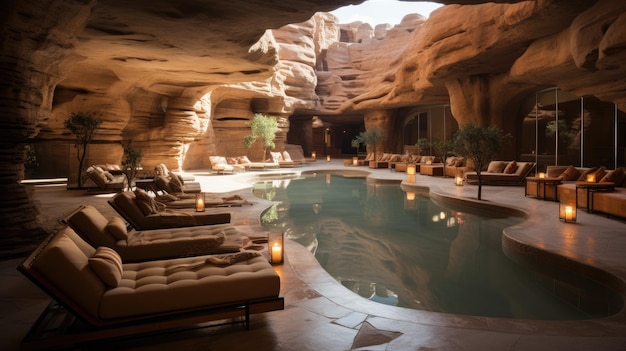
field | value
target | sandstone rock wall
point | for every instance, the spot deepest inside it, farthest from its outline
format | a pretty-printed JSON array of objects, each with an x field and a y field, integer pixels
[{"x": 181, "y": 79}]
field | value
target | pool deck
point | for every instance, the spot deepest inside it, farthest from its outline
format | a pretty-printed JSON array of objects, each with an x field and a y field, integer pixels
[{"x": 320, "y": 314}]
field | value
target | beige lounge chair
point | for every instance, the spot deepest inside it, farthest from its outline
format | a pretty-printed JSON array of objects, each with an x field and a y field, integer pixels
[
  {"x": 220, "y": 165},
  {"x": 161, "y": 169},
  {"x": 142, "y": 212},
  {"x": 133, "y": 245},
  {"x": 96, "y": 296},
  {"x": 174, "y": 185},
  {"x": 105, "y": 180}
]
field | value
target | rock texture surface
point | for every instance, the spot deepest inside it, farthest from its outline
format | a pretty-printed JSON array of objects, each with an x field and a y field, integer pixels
[{"x": 181, "y": 79}]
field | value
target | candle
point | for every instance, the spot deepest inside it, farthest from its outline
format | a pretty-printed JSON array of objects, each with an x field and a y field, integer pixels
[
  {"x": 199, "y": 202},
  {"x": 277, "y": 253},
  {"x": 355, "y": 161},
  {"x": 458, "y": 180},
  {"x": 591, "y": 178},
  {"x": 313, "y": 155},
  {"x": 569, "y": 213},
  {"x": 327, "y": 158},
  {"x": 542, "y": 175}
]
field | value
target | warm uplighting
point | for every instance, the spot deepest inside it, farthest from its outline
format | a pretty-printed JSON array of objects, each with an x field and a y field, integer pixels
[
  {"x": 567, "y": 212},
  {"x": 276, "y": 249},
  {"x": 542, "y": 175},
  {"x": 327, "y": 158},
  {"x": 313, "y": 155},
  {"x": 200, "y": 202},
  {"x": 355, "y": 161},
  {"x": 458, "y": 181},
  {"x": 591, "y": 178},
  {"x": 410, "y": 169}
]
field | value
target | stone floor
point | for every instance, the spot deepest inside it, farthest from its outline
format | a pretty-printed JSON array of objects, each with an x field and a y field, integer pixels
[{"x": 320, "y": 314}]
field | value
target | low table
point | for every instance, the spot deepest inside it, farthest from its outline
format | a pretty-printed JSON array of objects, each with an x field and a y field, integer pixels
[
  {"x": 546, "y": 188},
  {"x": 432, "y": 170},
  {"x": 591, "y": 189}
]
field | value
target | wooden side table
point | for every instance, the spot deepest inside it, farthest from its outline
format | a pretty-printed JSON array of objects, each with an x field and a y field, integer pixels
[
  {"x": 432, "y": 170},
  {"x": 545, "y": 188},
  {"x": 591, "y": 189}
]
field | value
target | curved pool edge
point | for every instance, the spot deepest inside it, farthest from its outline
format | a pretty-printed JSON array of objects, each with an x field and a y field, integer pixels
[{"x": 306, "y": 267}]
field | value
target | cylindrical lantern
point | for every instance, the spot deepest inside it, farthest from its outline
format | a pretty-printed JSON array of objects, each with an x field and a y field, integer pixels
[
  {"x": 200, "y": 202},
  {"x": 327, "y": 158},
  {"x": 567, "y": 212},
  {"x": 410, "y": 169},
  {"x": 591, "y": 178},
  {"x": 458, "y": 181},
  {"x": 355, "y": 161},
  {"x": 276, "y": 248},
  {"x": 313, "y": 155},
  {"x": 542, "y": 175}
]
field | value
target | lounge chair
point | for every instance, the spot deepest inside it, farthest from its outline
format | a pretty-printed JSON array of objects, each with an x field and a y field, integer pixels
[
  {"x": 220, "y": 165},
  {"x": 105, "y": 180},
  {"x": 96, "y": 296},
  {"x": 142, "y": 212},
  {"x": 133, "y": 245},
  {"x": 173, "y": 184},
  {"x": 161, "y": 169}
]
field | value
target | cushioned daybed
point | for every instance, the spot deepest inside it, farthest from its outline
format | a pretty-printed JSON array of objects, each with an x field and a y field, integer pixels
[
  {"x": 502, "y": 173},
  {"x": 142, "y": 212},
  {"x": 133, "y": 245},
  {"x": 101, "y": 297},
  {"x": 610, "y": 200}
]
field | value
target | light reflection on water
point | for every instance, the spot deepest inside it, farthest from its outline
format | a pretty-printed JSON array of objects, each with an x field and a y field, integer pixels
[{"x": 386, "y": 246}]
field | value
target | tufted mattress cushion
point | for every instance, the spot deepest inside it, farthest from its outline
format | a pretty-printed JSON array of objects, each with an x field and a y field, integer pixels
[{"x": 187, "y": 283}]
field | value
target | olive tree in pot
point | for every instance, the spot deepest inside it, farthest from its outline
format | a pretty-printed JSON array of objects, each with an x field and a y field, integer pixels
[
  {"x": 478, "y": 145},
  {"x": 263, "y": 127},
  {"x": 84, "y": 126}
]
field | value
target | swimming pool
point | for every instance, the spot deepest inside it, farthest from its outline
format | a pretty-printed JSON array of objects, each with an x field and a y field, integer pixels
[{"x": 388, "y": 246}]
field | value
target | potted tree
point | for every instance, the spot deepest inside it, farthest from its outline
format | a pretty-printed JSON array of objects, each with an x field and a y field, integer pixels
[
  {"x": 372, "y": 137},
  {"x": 131, "y": 163},
  {"x": 263, "y": 127},
  {"x": 478, "y": 145},
  {"x": 84, "y": 126}
]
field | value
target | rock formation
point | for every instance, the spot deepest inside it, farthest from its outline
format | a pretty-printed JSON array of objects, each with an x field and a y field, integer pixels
[{"x": 181, "y": 79}]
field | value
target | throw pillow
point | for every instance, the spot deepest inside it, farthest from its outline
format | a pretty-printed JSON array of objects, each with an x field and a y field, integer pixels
[
  {"x": 231, "y": 160},
  {"x": 496, "y": 167},
  {"x": 109, "y": 176},
  {"x": 450, "y": 161},
  {"x": 244, "y": 160},
  {"x": 175, "y": 184},
  {"x": 583, "y": 174},
  {"x": 107, "y": 265},
  {"x": 615, "y": 176},
  {"x": 510, "y": 168},
  {"x": 570, "y": 173},
  {"x": 286, "y": 156},
  {"x": 117, "y": 228},
  {"x": 600, "y": 173},
  {"x": 144, "y": 202}
]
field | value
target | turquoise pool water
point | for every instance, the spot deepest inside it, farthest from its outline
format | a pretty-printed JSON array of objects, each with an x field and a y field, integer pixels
[{"x": 388, "y": 247}]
